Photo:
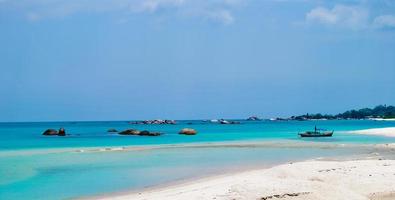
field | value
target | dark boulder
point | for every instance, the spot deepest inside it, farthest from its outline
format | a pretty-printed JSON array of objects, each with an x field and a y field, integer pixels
[
  {"x": 170, "y": 122},
  {"x": 253, "y": 118},
  {"x": 147, "y": 133},
  {"x": 222, "y": 121},
  {"x": 62, "y": 132},
  {"x": 50, "y": 132},
  {"x": 129, "y": 132},
  {"x": 140, "y": 133},
  {"x": 144, "y": 133},
  {"x": 188, "y": 131}
]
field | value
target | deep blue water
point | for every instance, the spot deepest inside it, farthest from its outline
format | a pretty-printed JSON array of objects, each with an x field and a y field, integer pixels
[{"x": 32, "y": 168}]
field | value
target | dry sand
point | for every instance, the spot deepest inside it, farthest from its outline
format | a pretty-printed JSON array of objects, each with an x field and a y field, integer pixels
[
  {"x": 332, "y": 180},
  {"x": 389, "y": 132}
]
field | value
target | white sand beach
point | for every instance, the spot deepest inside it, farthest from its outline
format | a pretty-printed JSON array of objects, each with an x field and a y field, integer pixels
[
  {"x": 332, "y": 180},
  {"x": 388, "y": 132},
  {"x": 382, "y": 119}
]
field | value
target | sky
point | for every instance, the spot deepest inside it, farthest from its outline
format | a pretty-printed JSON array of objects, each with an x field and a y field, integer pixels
[{"x": 193, "y": 59}]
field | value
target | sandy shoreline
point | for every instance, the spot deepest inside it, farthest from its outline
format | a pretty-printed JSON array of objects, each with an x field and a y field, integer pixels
[
  {"x": 368, "y": 177},
  {"x": 388, "y": 132},
  {"x": 358, "y": 179}
]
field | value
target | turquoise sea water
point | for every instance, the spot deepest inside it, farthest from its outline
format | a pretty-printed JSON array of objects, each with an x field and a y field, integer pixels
[{"x": 33, "y": 166}]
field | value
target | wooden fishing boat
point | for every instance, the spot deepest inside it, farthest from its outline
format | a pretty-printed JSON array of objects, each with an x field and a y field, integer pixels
[{"x": 317, "y": 133}]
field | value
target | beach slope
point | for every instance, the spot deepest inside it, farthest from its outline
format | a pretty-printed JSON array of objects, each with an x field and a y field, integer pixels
[
  {"x": 359, "y": 179},
  {"x": 388, "y": 132}
]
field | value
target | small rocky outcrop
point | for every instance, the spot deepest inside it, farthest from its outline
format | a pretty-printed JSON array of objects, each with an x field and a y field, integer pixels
[
  {"x": 112, "y": 130},
  {"x": 129, "y": 132},
  {"x": 253, "y": 118},
  {"x": 155, "y": 121},
  {"x": 147, "y": 133},
  {"x": 62, "y": 132},
  {"x": 188, "y": 131},
  {"x": 140, "y": 133},
  {"x": 50, "y": 132},
  {"x": 222, "y": 121}
]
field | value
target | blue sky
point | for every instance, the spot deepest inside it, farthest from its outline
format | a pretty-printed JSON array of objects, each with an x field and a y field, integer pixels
[{"x": 193, "y": 59}]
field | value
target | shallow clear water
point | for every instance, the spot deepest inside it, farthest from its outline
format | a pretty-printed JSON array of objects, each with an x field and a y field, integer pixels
[
  {"x": 31, "y": 168},
  {"x": 84, "y": 134}
]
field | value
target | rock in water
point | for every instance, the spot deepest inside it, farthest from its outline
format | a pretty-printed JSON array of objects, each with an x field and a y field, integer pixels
[
  {"x": 50, "y": 132},
  {"x": 129, "y": 132},
  {"x": 62, "y": 132},
  {"x": 155, "y": 121},
  {"x": 253, "y": 118},
  {"x": 222, "y": 121},
  {"x": 155, "y": 133},
  {"x": 188, "y": 131},
  {"x": 147, "y": 133},
  {"x": 140, "y": 133}
]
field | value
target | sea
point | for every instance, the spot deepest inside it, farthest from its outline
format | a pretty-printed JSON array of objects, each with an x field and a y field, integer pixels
[{"x": 91, "y": 162}]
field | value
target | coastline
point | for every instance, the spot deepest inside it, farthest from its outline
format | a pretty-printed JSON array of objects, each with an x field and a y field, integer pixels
[
  {"x": 311, "y": 179},
  {"x": 320, "y": 178},
  {"x": 302, "y": 180}
]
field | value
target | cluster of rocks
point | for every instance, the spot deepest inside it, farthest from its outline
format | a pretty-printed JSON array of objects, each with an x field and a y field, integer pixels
[
  {"x": 62, "y": 132},
  {"x": 52, "y": 132},
  {"x": 185, "y": 131},
  {"x": 139, "y": 133},
  {"x": 155, "y": 121},
  {"x": 253, "y": 118}
]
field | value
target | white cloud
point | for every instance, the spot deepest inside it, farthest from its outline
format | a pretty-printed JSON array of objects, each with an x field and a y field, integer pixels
[
  {"x": 340, "y": 15},
  {"x": 216, "y": 10},
  {"x": 154, "y": 5},
  {"x": 222, "y": 16},
  {"x": 384, "y": 21}
]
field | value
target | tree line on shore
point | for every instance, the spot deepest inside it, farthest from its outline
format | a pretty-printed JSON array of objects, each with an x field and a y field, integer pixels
[{"x": 380, "y": 111}]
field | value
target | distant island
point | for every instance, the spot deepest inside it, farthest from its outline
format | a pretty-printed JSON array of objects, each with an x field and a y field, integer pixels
[{"x": 378, "y": 112}]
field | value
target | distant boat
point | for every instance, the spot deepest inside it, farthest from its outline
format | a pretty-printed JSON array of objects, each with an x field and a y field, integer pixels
[{"x": 317, "y": 133}]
